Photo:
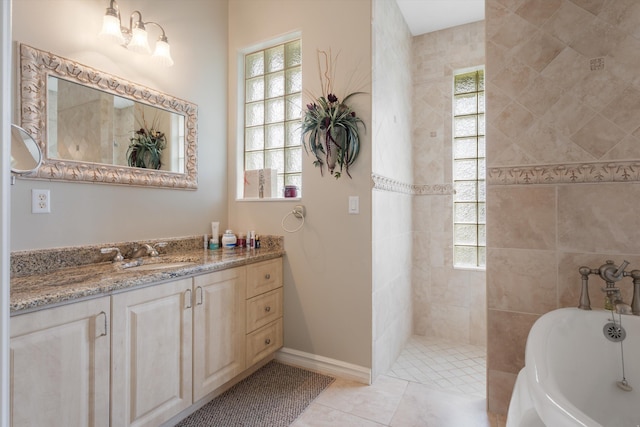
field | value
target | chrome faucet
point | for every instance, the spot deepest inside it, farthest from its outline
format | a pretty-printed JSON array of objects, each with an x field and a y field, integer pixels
[
  {"x": 613, "y": 300},
  {"x": 140, "y": 251},
  {"x": 117, "y": 257},
  {"x": 146, "y": 249},
  {"x": 155, "y": 252}
]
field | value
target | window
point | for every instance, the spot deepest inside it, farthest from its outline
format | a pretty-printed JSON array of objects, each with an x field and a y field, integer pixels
[
  {"x": 273, "y": 108},
  {"x": 469, "y": 203},
  {"x": 177, "y": 134}
]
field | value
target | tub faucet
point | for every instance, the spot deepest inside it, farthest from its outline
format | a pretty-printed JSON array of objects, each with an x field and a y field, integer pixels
[
  {"x": 618, "y": 305},
  {"x": 611, "y": 274}
]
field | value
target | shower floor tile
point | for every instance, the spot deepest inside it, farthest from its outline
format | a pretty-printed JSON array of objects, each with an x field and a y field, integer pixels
[{"x": 443, "y": 365}]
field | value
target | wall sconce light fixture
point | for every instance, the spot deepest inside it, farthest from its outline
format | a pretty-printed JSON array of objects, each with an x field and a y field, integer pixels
[{"x": 135, "y": 37}]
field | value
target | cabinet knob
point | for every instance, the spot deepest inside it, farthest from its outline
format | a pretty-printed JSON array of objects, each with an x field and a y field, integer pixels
[
  {"x": 267, "y": 341},
  {"x": 267, "y": 309},
  {"x": 267, "y": 276}
]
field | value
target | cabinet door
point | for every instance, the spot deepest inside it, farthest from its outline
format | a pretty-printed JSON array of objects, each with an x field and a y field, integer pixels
[
  {"x": 219, "y": 329},
  {"x": 151, "y": 354},
  {"x": 60, "y": 366}
]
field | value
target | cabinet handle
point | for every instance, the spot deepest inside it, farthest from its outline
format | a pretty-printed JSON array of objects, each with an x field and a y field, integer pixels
[
  {"x": 104, "y": 333},
  {"x": 267, "y": 341},
  {"x": 187, "y": 299},
  {"x": 267, "y": 309},
  {"x": 200, "y": 300},
  {"x": 267, "y": 276}
]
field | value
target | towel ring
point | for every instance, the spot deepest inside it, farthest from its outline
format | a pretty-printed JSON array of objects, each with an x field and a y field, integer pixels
[{"x": 298, "y": 212}]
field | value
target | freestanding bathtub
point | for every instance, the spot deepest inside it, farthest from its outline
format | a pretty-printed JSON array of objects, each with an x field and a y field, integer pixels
[{"x": 573, "y": 373}]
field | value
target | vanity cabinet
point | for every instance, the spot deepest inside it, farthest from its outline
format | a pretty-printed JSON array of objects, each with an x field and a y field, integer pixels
[
  {"x": 151, "y": 364},
  {"x": 60, "y": 366},
  {"x": 218, "y": 328},
  {"x": 141, "y": 356},
  {"x": 264, "y": 310}
]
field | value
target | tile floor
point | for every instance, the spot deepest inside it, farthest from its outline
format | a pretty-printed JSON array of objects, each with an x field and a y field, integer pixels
[
  {"x": 446, "y": 366},
  {"x": 432, "y": 384}
]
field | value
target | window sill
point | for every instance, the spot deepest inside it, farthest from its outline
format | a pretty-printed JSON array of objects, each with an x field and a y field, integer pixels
[
  {"x": 272, "y": 199},
  {"x": 469, "y": 268}
]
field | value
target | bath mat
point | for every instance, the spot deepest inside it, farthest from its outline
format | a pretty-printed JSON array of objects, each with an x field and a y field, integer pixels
[{"x": 275, "y": 395}]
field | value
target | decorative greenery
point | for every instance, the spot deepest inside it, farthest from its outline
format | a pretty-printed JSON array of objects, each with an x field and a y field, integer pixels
[
  {"x": 145, "y": 147},
  {"x": 330, "y": 127}
]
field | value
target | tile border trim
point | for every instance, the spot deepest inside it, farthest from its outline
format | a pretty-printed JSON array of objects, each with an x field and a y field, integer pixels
[
  {"x": 568, "y": 173},
  {"x": 388, "y": 184}
]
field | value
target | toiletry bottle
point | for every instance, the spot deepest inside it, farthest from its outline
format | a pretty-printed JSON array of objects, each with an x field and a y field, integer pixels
[
  {"x": 229, "y": 240},
  {"x": 257, "y": 242},
  {"x": 252, "y": 239},
  {"x": 242, "y": 240},
  {"x": 215, "y": 226}
]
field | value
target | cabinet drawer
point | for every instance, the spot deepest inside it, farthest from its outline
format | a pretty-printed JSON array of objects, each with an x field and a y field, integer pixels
[
  {"x": 263, "y": 277},
  {"x": 264, "y": 341},
  {"x": 264, "y": 309}
]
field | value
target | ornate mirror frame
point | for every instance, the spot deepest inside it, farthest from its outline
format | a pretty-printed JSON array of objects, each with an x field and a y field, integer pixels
[{"x": 37, "y": 65}]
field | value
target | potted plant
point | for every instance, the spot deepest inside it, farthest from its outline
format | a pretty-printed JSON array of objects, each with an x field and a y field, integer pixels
[
  {"x": 330, "y": 128},
  {"x": 145, "y": 148}
]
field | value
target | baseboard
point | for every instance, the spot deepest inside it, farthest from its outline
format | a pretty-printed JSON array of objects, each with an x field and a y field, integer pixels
[{"x": 324, "y": 365}]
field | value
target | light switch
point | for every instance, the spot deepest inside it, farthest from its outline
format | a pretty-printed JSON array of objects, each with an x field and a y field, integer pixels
[{"x": 354, "y": 205}]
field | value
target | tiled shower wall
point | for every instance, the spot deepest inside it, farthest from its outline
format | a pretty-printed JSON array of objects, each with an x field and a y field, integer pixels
[
  {"x": 391, "y": 210},
  {"x": 563, "y": 148},
  {"x": 447, "y": 303}
]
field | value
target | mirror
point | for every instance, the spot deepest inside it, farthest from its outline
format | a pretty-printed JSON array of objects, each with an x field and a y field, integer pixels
[
  {"x": 26, "y": 156},
  {"x": 95, "y": 127}
]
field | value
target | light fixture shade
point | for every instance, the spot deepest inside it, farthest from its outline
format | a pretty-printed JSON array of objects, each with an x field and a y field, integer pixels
[
  {"x": 111, "y": 30},
  {"x": 139, "y": 41},
  {"x": 162, "y": 53}
]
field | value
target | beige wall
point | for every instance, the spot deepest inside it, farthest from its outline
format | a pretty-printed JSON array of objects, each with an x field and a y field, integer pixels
[
  {"x": 92, "y": 213},
  {"x": 563, "y": 137},
  {"x": 392, "y": 219},
  {"x": 448, "y": 303},
  {"x": 328, "y": 262}
]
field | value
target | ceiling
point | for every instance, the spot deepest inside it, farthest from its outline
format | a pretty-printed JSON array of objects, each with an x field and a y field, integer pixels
[{"x": 425, "y": 16}]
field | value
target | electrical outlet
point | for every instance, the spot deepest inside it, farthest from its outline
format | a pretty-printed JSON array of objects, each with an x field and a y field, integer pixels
[{"x": 40, "y": 201}]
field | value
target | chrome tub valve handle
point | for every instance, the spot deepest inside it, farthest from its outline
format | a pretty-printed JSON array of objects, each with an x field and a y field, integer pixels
[
  {"x": 611, "y": 274},
  {"x": 585, "y": 302}
]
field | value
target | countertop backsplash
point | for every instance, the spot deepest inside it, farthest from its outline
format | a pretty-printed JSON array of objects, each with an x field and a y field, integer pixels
[{"x": 42, "y": 261}]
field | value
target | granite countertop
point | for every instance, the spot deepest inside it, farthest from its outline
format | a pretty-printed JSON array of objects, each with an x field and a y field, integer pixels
[{"x": 40, "y": 290}]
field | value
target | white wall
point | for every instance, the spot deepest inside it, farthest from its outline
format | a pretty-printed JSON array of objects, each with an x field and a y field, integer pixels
[
  {"x": 328, "y": 263},
  {"x": 392, "y": 213},
  {"x": 5, "y": 117},
  {"x": 96, "y": 213}
]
